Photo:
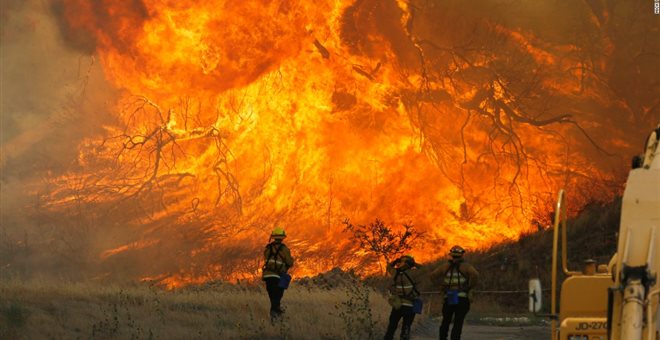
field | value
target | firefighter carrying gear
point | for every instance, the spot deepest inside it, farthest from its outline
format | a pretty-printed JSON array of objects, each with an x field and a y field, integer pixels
[
  {"x": 277, "y": 261},
  {"x": 456, "y": 277},
  {"x": 404, "y": 290}
]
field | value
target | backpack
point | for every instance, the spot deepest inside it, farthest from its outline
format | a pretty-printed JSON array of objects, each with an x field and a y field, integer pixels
[
  {"x": 456, "y": 268},
  {"x": 414, "y": 293},
  {"x": 273, "y": 266}
]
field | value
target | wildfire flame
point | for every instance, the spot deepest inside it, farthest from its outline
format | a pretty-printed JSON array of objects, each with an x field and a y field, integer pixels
[{"x": 236, "y": 116}]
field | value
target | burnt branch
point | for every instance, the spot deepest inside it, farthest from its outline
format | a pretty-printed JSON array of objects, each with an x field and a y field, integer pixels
[
  {"x": 150, "y": 157},
  {"x": 500, "y": 87}
]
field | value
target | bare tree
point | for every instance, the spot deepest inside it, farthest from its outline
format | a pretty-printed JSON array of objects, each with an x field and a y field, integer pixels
[{"x": 382, "y": 240}]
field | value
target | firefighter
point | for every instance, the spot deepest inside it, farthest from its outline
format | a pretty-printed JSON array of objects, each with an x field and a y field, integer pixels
[
  {"x": 277, "y": 261},
  {"x": 404, "y": 293},
  {"x": 457, "y": 279}
]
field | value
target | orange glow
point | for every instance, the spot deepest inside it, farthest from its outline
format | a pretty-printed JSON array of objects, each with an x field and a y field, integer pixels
[
  {"x": 240, "y": 115},
  {"x": 131, "y": 246},
  {"x": 541, "y": 56}
]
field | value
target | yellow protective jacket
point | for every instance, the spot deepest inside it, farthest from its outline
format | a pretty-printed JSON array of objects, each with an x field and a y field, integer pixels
[
  {"x": 405, "y": 283},
  {"x": 277, "y": 260},
  {"x": 457, "y": 275}
]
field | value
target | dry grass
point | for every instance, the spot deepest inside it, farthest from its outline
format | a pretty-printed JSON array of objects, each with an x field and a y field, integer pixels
[{"x": 39, "y": 310}]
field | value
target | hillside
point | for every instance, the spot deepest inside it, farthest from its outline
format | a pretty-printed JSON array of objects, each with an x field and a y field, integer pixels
[
  {"x": 333, "y": 305},
  {"x": 506, "y": 268},
  {"x": 509, "y": 266}
]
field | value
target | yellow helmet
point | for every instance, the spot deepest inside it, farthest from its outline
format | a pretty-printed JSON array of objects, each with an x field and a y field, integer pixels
[
  {"x": 278, "y": 232},
  {"x": 409, "y": 256}
]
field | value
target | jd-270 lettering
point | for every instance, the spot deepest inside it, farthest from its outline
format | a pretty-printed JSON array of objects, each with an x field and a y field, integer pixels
[{"x": 591, "y": 325}]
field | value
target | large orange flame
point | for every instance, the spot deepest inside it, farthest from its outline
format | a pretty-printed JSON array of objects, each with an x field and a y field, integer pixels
[{"x": 240, "y": 115}]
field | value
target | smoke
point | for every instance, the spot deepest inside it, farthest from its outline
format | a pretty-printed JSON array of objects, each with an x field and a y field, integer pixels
[
  {"x": 52, "y": 98},
  {"x": 78, "y": 20}
]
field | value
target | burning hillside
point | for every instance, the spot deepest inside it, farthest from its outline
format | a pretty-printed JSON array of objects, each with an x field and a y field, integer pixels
[{"x": 235, "y": 116}]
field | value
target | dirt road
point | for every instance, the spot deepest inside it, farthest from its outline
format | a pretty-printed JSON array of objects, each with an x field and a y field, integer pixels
[{"x": 429, "y": 330}]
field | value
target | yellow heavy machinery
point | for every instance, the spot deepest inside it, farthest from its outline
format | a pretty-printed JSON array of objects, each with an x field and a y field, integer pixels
[{"x": 618, "y": 301}]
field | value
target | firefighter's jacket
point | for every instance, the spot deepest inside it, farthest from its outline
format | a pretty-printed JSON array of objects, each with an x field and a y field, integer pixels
[
  {"x": 456, "y": 275},
  {"x": 404, "y": 284},
  {"x": 277, "y": 260}
]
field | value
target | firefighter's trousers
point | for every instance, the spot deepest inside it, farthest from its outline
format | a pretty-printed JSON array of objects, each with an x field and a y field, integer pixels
[
  {"x": 275, "y": 294},
  {"x": 405, "y": 312},
  {"x": 456, "y": 312}
]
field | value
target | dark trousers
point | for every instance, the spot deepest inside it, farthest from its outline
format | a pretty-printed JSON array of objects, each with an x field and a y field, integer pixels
[
  {"x": 458, "y": 313},
  {"x": 275, "y": 294},
  {"x": 405, "y": 312}
]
